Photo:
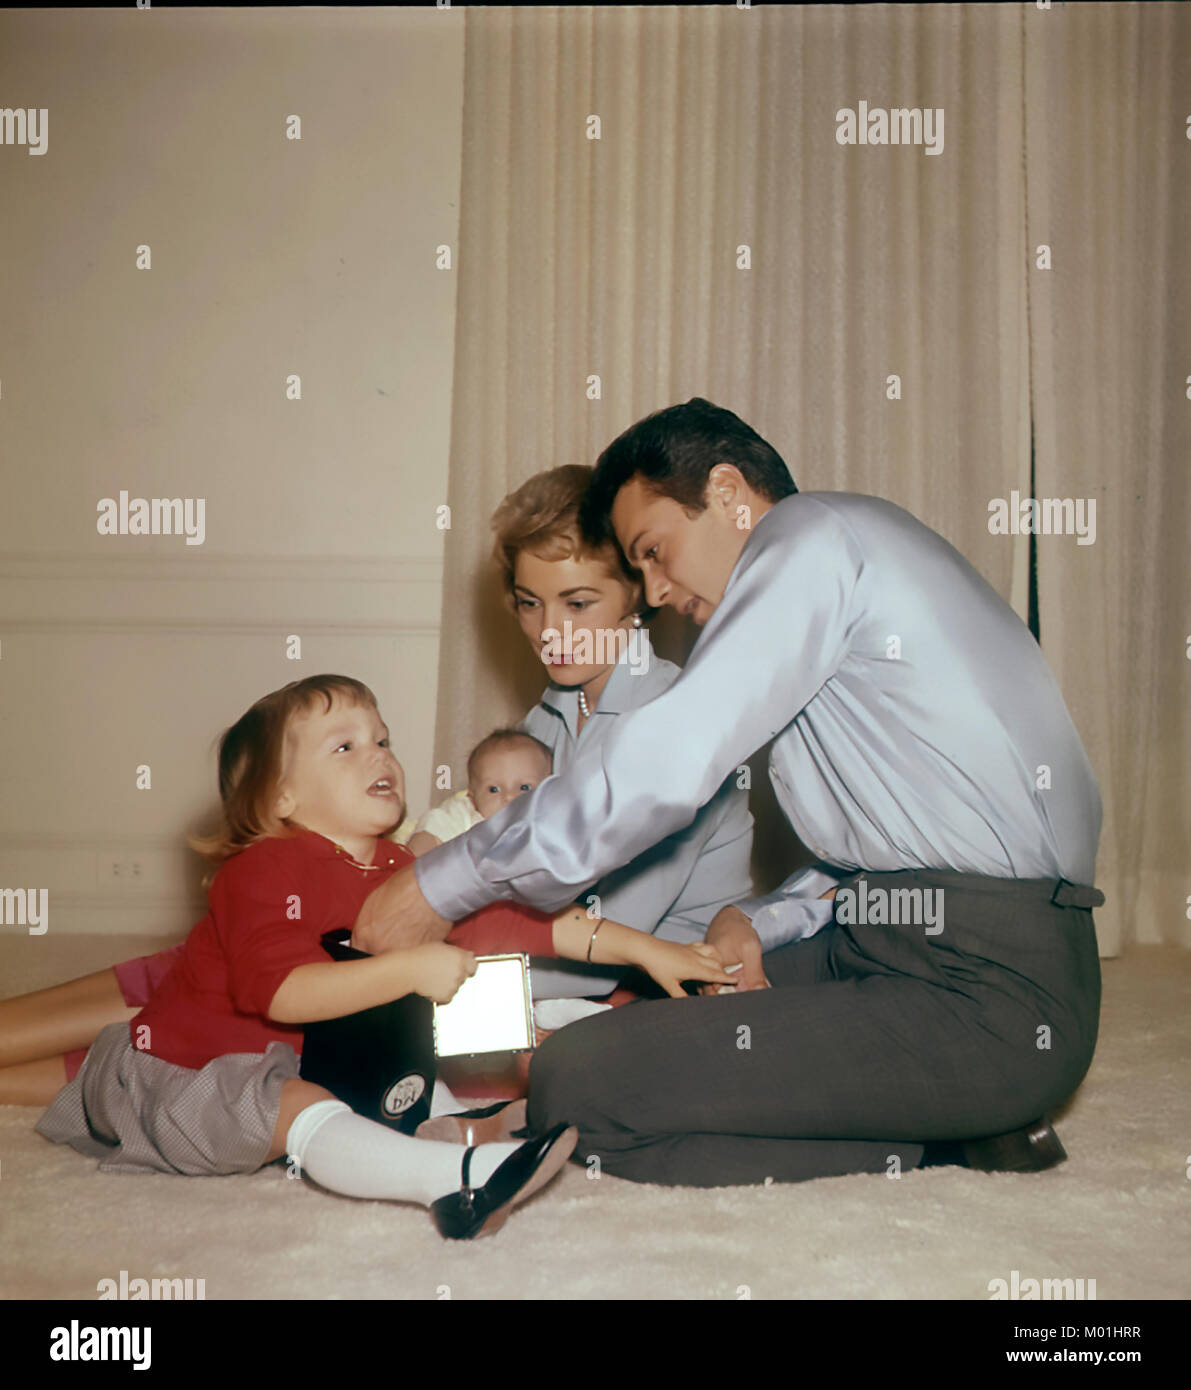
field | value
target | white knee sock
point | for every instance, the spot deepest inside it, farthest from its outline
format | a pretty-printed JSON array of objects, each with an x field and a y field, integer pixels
[{"x": 360, "y": 1158}]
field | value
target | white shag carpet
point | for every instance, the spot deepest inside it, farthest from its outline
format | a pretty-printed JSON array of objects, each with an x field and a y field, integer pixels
[{"x": 1116, "y": 1211}]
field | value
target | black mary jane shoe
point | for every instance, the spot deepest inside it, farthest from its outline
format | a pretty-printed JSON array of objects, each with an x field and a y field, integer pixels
[
  {"x": 480, "y": 1211},
  {"x": 1032, "y": 1149}
]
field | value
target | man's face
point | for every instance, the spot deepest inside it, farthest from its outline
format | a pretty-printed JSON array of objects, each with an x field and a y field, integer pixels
[{"x": 685, "y": 561}]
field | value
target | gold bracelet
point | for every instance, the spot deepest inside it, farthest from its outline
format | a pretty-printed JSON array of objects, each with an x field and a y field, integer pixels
[{"x": 591, "y": 943}]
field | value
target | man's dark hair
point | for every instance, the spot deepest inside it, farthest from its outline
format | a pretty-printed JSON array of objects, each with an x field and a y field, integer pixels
[{"x": 672, "y": 451}]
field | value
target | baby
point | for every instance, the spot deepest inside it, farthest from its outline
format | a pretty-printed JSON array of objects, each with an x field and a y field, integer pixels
[{"x": 501, "y": 767}]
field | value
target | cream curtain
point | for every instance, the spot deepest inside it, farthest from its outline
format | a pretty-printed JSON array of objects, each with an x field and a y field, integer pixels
[
  {"x": 863, "y": 307},
  {"x": 1108, "y": 174}
]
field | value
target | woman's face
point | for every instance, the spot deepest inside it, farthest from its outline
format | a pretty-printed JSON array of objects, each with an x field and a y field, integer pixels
[{"x": 571, "y": 610}]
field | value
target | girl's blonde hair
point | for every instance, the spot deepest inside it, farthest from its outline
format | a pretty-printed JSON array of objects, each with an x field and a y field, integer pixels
[
  {"x": 542, "y": 516},
  {"x": 253, "y": 756}
]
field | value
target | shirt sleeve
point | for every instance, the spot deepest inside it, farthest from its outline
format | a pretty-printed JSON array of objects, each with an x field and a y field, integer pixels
[
  {"x": 780, "y": 631},
  {"x": 793, "y": 911},
  {"x": 503, "y": 927},
  {"x": 253, "y": 899}
]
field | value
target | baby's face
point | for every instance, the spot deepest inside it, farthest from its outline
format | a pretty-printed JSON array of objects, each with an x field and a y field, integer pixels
[{"x": 505, "y": 772}]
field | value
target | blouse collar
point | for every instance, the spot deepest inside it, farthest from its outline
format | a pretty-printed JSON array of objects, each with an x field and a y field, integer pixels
[{"x": 624, "y": 691}]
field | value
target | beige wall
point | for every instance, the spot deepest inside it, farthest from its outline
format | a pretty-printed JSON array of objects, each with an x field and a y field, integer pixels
[{"x": 269, "y": 257}]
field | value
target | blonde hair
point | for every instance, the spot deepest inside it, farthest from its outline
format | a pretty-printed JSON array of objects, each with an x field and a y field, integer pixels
[
  {"x": 542, "y": 516},
  {"x": 252, "y": 761}
]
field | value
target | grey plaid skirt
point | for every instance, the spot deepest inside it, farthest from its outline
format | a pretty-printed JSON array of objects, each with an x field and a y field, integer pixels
[{"x": 138, "y": 1114}]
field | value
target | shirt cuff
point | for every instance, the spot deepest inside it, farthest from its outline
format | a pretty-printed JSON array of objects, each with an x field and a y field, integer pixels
[
  {"x": 449, "y": 882},
  {"x": 778, "y": 920},
  {"x": 793, "y": 912}
]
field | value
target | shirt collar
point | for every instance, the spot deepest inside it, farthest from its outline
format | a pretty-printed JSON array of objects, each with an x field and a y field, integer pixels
[
  {"x": 319, "y": 847},
  {"x": 624, "y": 691}
]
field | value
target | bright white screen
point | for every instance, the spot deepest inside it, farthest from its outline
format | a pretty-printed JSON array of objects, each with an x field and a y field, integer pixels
[{"x": 488, "y": 1013}]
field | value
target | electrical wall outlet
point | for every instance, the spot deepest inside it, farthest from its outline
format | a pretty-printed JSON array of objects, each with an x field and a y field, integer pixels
[{"x": 125, "y": 872}]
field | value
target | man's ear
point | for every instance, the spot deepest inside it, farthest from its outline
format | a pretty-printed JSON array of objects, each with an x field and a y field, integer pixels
[{"x": 727, "y": 487}]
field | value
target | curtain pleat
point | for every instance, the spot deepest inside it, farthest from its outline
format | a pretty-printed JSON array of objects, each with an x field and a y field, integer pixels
[
  {"x": 622, "y": 258},
  {"x": 1109, "y": 178}
]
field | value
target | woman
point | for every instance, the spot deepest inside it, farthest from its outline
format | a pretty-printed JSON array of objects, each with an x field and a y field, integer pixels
[{"x": 551, "y": 578}]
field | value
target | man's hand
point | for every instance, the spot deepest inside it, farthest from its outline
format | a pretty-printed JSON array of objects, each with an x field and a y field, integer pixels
[
  {"x": 396, "y": 914},
  {"x": 733, "y": 936}
]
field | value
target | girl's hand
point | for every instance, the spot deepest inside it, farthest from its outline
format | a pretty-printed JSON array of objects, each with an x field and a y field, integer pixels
[
  {"x": 670, "y": 963},
  {"x": 437, "y": 970}
]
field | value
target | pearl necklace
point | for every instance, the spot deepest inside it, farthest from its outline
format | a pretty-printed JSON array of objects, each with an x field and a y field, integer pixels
[{"x": 584, "y": 708}]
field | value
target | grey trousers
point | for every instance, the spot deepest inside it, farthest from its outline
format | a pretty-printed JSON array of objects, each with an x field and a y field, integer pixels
[{"x": 873, "y": 1039}]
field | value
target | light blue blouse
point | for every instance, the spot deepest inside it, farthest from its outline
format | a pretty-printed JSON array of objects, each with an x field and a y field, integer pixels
[{"x": 676, "y": 886}]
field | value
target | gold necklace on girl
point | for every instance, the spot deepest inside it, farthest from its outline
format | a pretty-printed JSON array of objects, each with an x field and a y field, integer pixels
[{"x": 367, "y": 868}]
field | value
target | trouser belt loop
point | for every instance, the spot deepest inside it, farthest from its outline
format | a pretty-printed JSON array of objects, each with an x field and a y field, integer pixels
[{"x": 1076, "y": 895}]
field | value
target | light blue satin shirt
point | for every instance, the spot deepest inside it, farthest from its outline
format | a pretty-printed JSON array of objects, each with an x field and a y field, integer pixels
[{"x": 916, "y": 725}]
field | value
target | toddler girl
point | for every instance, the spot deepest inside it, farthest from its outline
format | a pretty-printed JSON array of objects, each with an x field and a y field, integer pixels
[{"x": 205, "y": 1079}]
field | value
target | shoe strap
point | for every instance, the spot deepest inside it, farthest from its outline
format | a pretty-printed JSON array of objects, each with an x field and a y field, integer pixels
[{"x": 467, "y": 1187}]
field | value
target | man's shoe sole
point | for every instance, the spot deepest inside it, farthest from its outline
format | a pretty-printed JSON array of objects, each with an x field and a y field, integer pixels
[{"x": 1030, "y": 1150}]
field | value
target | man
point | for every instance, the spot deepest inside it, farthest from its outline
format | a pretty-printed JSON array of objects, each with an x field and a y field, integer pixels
[{"x": 924, "y": 754}]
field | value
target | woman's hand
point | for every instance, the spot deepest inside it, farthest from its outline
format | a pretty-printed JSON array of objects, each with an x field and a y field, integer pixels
[
  {"x": 437, "y": 970},
  {"x": 670, "y": 963},
  {"x": 735, "y": 939},
  {"x": 613, "y": 943}
]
